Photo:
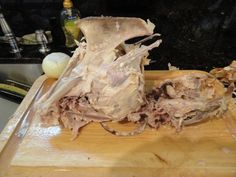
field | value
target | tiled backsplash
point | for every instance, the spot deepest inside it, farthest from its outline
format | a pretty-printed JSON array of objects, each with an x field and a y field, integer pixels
[{"x": 196, "y": 34}]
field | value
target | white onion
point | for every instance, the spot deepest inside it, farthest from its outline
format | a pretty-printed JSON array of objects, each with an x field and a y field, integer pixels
[{"x": 54, "y": 64}]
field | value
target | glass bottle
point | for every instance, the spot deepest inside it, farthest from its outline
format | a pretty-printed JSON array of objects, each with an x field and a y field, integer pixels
[{"x": 69, "y": 17}]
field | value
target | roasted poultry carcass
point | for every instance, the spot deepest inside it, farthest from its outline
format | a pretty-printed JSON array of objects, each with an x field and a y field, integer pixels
[{"x": 104, "y": 79}]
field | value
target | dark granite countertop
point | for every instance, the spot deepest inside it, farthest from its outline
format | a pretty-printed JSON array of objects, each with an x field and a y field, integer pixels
[{"x": 197, "y": 34}]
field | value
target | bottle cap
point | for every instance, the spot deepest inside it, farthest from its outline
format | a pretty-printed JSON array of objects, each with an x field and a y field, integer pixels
[{"x": 67, "y": 4}]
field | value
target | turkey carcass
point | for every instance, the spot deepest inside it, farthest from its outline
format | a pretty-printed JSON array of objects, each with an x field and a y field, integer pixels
[{"x": 104, "y": 79}]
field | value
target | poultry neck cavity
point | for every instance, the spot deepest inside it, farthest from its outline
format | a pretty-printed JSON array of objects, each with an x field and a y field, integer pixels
[{"x": 104, "y": 81}]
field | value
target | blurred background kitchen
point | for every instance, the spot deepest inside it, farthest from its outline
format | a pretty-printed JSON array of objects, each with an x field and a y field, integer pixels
[{"x": 197, "y": 34}]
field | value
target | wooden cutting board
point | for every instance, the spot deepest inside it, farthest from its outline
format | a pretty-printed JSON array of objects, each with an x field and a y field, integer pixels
[{"x": 205, "y": 149}]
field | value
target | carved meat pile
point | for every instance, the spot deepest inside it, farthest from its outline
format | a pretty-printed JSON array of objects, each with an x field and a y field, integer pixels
[{"x": 104, "y": 81}]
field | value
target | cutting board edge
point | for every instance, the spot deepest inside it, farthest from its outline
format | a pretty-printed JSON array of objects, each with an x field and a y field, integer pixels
[{"x": 116, "y": 172}]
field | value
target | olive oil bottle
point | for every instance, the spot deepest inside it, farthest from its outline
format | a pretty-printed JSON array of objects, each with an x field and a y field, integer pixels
[{"x": 69, "y": 17}]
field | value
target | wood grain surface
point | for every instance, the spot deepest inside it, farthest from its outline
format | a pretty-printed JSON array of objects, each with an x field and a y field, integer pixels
[{"x": 205, "y": 149}]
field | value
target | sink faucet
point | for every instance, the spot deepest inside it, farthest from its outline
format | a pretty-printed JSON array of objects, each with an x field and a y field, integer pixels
[
  {"x": 9, "y": 35},
  {"x": 42, "y": 40}
]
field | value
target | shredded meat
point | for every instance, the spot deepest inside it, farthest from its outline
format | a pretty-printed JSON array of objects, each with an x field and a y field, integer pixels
[{"x": 227, "y": 76}]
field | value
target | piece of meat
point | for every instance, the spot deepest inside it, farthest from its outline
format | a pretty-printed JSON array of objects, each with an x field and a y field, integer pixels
[
  {"x": 186, "y": 100},
  {"x": 227, "y": 76},
  {"x": 104, "y": 79}
]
